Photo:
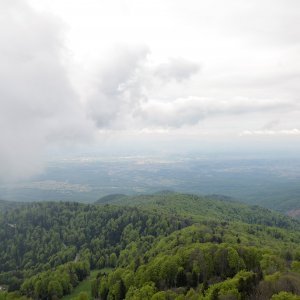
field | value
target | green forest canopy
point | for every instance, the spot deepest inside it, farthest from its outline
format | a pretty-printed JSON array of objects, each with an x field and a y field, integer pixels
[{"x": 163, "y": 246}]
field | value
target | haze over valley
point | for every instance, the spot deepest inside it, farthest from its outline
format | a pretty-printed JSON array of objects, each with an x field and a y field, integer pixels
[{"x": 272, "y": 183}]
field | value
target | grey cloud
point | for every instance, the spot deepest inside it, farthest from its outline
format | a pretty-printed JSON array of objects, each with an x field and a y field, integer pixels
[
  {"x": 191, "y": 110},
  {"x": 128, "y": 95},
  {"x": 38, "y": 106},
  {"x": 266, "y": 132},
  {"x": 177, "y": 68},
  {"x": 271, "y": 124},
  {"x": 119, "y": 87},
  {"x": 125, "y": 85}
]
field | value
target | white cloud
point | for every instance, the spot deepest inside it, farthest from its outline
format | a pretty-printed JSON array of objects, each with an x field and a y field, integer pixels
[
  {"x": 38, "y": 106},
  {"x": 266, "y": 132},
  {"x": 125, "y": 85},
  {"x": 176, "y": 69},
  {"x": 119, "y": 87},
  {"x": 191, "y": 110},
  {"x": 208, "y": 66}
]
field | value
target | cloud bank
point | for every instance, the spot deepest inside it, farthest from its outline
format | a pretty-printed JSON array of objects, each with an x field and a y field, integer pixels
[
  {"x": 38, "y": 106},
  {"x": 205, "y": 69},
  {"x": 123, "y": 94},
  {"x": 294, "y": 131}
]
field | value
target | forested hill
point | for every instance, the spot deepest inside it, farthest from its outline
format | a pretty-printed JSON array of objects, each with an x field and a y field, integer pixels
[
  {"x": 5, "y": 205},
  {"x": 41, "y": 236},
  {"x": 164, "y": 246},
  {"x": 205, "y": 207}
]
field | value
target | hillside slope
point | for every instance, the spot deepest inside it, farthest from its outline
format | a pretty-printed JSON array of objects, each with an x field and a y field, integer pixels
[
  {"x": 206, "y": 207},
  {"x": 162, "y": 246},
  {"x": 6, "y": 205}
]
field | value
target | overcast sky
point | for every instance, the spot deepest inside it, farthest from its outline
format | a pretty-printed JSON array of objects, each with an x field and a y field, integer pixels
[{"x": 168, "y": 75}]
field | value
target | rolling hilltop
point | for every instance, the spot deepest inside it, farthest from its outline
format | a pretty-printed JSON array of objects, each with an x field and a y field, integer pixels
[
  {"x": 6, "y": 205},
  {"x": 199, "y": 207}
]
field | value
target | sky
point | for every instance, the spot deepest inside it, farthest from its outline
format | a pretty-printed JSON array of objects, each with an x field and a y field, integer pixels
[{"x": 132, "y": 76}]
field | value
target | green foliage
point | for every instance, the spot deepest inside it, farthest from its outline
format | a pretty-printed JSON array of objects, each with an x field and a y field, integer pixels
[
  {"x": 272, "y": 263},
  {"x": 285, "y": 296},
  {"x": 42, "y": 236},
  {"x": 296, "y": 266},
  {"x": 7, "y": 205},
  {"x": 55, "y": 284},
  {"x": 113, "y": 260},
  {"x": 146, "y": 292},
  {"x": 205, "y": 207},
  {"x": 167, "y": 246},
  {"x": 82, "y": 296}
]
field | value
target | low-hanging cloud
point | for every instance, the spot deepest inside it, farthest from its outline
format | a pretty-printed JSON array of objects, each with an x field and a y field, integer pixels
[
  {"x": 268, "y": 132},
  {"x": 119, "y": 89},
  {"x": 191, "y": 110},
  {"x": 130, "y": 95},
  {"x": 126, "y": 84},
  {"x": 176, "y": 69},
  {"x": 37, "y": 103}
]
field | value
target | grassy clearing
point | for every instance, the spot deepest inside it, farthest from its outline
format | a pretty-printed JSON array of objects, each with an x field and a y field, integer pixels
[{"x": 85, "y": 285}]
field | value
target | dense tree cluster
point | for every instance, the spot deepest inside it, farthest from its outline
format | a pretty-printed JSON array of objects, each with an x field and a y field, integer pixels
[
  {"x": 193, "y": 264},
  {"x": 56, "y": 283},
  {"x": 41, "y": 236},
  {"x": 204, "y": 207}
]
